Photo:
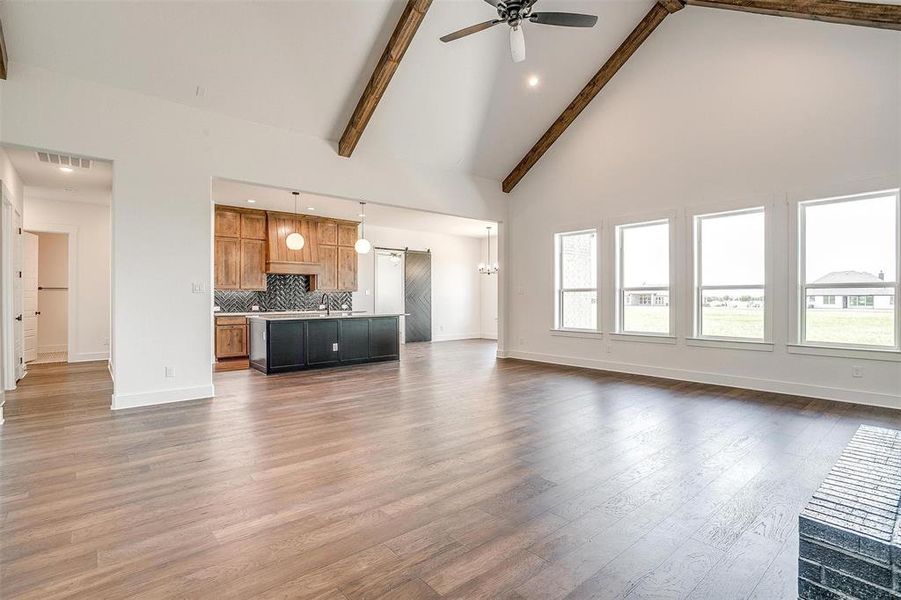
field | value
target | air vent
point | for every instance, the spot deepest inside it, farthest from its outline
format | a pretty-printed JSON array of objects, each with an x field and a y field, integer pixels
[{"x": 64, "y": 161}]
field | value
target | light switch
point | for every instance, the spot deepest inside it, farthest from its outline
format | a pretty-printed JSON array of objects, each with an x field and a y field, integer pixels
[
  {"x": 197, "y": 287},
  {"x": 170, "y": 371}
]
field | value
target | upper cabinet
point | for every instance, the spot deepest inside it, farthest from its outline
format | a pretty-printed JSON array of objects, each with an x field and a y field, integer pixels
[
  {"x": 338, "y": 257},
  {"x": 228, "y": 223},
  {"x": 240, "y": 249},
  {"x": 251, "y": 243}
]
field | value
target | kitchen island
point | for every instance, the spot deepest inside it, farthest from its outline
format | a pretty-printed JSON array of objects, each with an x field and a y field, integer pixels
[{"x": 281, "y": 343}]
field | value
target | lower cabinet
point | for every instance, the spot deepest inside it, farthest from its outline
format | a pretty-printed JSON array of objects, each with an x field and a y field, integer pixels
[
  {"x": 322, "y": 343},
  {"x": 291, "y": 345},
  {"x": 231, "y": 337},
  {"x": 354, "y": 344},
  {"x": 383, "y": 338}
]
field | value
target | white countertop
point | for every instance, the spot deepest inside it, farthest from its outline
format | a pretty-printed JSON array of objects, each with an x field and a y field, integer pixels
[
  {"x": 257, "y": 313},
  {"x": 320, "y": 315}
]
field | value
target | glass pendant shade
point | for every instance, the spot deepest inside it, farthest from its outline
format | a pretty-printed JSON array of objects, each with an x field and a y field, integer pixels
[
  {"x": 295, "y": 241},
  {"x": 362, "y": 245}
]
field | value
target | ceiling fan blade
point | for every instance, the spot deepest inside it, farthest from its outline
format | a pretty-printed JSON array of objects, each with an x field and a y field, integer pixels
[
  {"x": 564, "y": 19},
  {"x": 469, "y": 30},
  {"x": 492, "y": 2},
  {"x": 517, "y": 44}
]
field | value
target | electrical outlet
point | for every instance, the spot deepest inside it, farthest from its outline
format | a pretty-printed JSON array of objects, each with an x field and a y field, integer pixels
[
  {"x": 335, "y": 347},
  {"x": 856, "y": 371},
  {"x": 170, "y": 371}
]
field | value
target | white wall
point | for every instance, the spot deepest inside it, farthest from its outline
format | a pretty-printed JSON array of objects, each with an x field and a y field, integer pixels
[
  {"x": 89, "y": 227},
  {"x": 164, "y": 157},
  {"x": 53, "y": 271},
  {"x": 717, "y": 106},
  {"x": 456, "y": 285}
]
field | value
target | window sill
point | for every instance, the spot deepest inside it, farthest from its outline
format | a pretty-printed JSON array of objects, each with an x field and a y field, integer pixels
[
  {"x": 578, "y": 333},
  {"x": 730, "y": 344},
  {"x": 859, "y": 353},
  {"x": 653, "y": 338}
]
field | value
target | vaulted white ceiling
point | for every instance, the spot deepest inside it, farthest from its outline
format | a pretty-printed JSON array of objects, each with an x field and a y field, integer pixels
[{"x": 302, "y": 65}]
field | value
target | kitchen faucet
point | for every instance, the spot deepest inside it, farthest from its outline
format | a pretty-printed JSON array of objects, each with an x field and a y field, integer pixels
[{"x": 323, "y": 303}]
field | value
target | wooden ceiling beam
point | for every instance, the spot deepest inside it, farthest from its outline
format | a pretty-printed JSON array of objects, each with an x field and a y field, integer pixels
[
  {"x": 644, "y": 29},
  {"x": 4, "y": 59},
  {"x": 400, "y": 40},
  {"x": 864, "y": 14}
]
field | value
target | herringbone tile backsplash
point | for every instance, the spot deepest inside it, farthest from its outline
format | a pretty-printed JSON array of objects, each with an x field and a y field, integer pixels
[{"x": 283, "y": 292}]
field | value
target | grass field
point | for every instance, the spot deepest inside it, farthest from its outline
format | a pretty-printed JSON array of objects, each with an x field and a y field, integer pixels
[{"x": 850, "y": 326}]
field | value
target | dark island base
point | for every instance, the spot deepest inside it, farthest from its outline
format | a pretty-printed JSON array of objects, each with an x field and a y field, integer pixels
[{"x": 279, "y": 346}]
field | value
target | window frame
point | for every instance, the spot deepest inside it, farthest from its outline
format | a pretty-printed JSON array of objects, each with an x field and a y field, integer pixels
[
  {"x": 559, "y": 290},
  {"x": 618, "y": 276},
  {"x": 799, "y": 311},
  {"x": 697, "y": 285}
]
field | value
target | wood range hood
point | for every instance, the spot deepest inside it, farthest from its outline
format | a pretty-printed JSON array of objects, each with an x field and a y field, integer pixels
[{"x": 280, "y": 259}]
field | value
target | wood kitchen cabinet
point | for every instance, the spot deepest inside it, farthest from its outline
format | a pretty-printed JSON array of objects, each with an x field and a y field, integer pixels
[
  {"x": 347, "y": 269},
  {"x": 337, "y": 256},
  {"x": 251, "y": 243},
  {"x": 240, "y": 249},
  {"x": 228, "y": 263},
  {"x": 253, "y": 225},
  {"x": 253, "y": 264},
  {"x": 231, "y": 337},
  {"x": 228, "y": 222}
]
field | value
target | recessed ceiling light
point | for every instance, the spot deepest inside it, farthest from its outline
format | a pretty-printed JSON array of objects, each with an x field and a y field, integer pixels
[
  {"x": 311, "y": 208},
  {"x": 251, "y": 201},
  {"x": 533, "y": 81},
  {"x": 66, "y": 169},
  {"x": 360, "y": 215}
]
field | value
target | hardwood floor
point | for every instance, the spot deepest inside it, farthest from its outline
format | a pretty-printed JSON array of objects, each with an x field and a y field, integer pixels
[{"x": 449, "y": 475}]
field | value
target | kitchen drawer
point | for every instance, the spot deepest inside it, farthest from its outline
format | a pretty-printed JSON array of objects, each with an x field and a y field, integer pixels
[{"x": 236, "y": 320}]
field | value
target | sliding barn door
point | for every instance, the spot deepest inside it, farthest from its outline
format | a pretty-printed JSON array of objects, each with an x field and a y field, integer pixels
[{"x": 418, "y": 296}]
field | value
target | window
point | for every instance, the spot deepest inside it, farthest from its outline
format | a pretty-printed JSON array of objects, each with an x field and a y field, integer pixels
[
  {"x": 848, "y": 253},
  {"x": 643, "y": 278},
  {"x": 577, "y": 272},
  {"x": 730, "y": 275}
]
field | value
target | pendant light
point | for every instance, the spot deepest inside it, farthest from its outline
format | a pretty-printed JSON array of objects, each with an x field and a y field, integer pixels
[
  {"x": 295, "y": 241},
  {"x": 362, "y": 246},
  {"x": 489, "y": 268}
]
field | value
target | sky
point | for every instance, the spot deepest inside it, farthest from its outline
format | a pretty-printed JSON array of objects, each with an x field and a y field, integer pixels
[{"x": 851, "y": 236}]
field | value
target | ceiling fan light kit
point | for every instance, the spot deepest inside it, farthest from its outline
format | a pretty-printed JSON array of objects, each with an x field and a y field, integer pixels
[{"x": 515, "y": 13}]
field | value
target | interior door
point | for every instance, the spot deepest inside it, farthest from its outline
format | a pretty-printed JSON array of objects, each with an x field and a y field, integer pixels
[
  {"x": 389, "y": 283},
  {"x": 30, "y": 296},
  {"x": 418, "y": 296},
  {"x": 17, "y": 298}
]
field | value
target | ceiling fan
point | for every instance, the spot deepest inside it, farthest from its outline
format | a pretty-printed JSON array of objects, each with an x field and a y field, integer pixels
[{"x": 514, "y": 13}]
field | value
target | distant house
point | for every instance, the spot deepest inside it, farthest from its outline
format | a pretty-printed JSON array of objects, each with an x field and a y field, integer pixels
[
  {"x": 647, "y": 299},
  {"x": 857, "y": 297}
]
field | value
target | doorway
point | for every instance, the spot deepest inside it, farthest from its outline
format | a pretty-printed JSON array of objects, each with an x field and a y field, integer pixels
[
  {"x": 46, "y": 297},
  {"x": 389, "y": 283}
]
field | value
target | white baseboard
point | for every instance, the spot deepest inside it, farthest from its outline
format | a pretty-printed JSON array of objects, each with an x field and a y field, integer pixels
[
  {"x": 121, "y": 401},
  {"x": 53, "y": 348},
  {"x": 735, "y": 381},
  {"x": 456, "y": 336},
  {"x": 2, "y": 402},
  {"x": 88, "y": 356},
  {"x": 488, "y": 336}
]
